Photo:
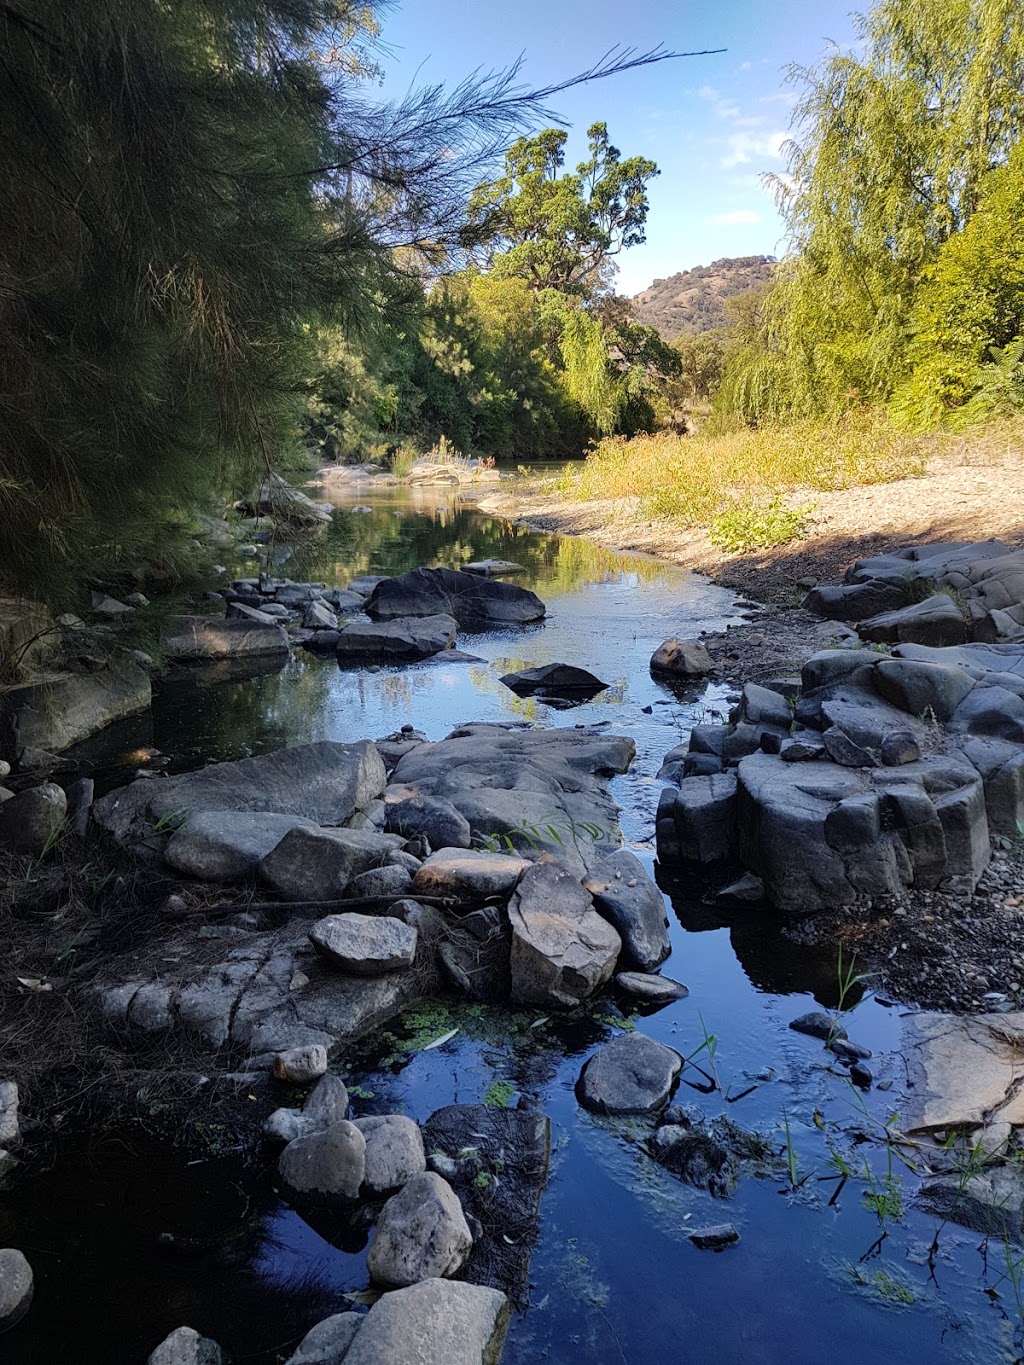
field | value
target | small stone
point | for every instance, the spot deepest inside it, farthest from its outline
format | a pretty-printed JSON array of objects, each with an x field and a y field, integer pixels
[
  {"x": 818, "y": 1025},
  {"x": 854, "y": 1052},
  {"x": 861, "y": 1075},
  {"x": 301, "y": 1064},
  {"x": 331, "y": 1163},
  {"x": 714, "y": 1238}
]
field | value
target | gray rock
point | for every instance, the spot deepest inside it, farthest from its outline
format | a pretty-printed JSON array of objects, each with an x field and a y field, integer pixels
[
  {"x": 327, "y": 1343},
  {"x": 238, "y": 611},
  {"x": 760, "y": 705},
  {"x": 474, "y": 602},
  {"x": 683, "y": 658},
  {"x": 421, "y": 1234},
  {"x": 301, "y": 1064},
  {"x": 651, "y": 990},
  {"x": 365, "y": 945},
  {"x": 393, "y": 880},
  {"x": 186, "y": 1347},
  {"x": 16, "y": 1286},
  {"x": 450, "y": 1324},
  {"x": 226, "y": 845},
  {"x": 697, "y": 823},
  {"x": 432, "y": 816},
  {"x": 990, "y": 1202},
  {"x": 318, "y": 864},
  {"x": 898, "y": 748},
  {"x": 922, "y": 688},
  {"x": 56, "y": 710},
  {"x": 110, "y": 607},
  {"x": 818, "y": 1025},
  {"x": 991, "y": 711},
  {"x": 203, "y": 637},
  {"x": 493, "y": 568},
  {"x": 627, "y": 898},
  {"x": 714, "y": 1238},
  {"x": 318, "y": 616},
  {"x": 803, "y": 751},
  {"x": 323, "y": 782},
  {"x": 747, "y": 889},
  {"x": 394, "y": 1152},
  {"x": 561, "y": 680},
  {"x": 10, "y": 1130},
  {"x": 562, "y": 949},
  {"x": 630, "y": 1075},
  {"x": 468, "y": 877},
  {"x": 31, "y": 819},
  {"x": 330, "y": 1163},
  {"x": 402, "y": 638},
  {"x": 833, "y": 665},
  {"x": 936, "y": 621},
  {"x": 325, "y": 1104},
  {"x": 853, "y": 602}
]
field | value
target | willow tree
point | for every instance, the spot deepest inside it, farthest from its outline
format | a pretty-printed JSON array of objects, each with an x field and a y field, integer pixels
[
  {"x": 890, "y": 149},
  {"x": 190, "y": 190}
]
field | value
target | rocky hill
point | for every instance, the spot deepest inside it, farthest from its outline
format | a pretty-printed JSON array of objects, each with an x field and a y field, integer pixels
[{"x": 693, "y": 300}]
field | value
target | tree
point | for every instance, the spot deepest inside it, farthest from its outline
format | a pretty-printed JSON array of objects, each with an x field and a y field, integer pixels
[{"x": 561, "y": 231}]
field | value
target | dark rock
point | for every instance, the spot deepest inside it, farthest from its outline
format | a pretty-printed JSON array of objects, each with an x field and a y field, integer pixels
[
  {"x": 936, "y": 621},
  {"x": 310, "y": 864},
  {"x": 555, "y": 679},
  {"x": 431, "y": 816},
  {"x": 630, "y": 1075},
  {"x": 697, "y": 823},
  {"x": 397, "y": 638},
  {"x": 651, "y": 989},
  {"x": 922, "y": 688},
  {"x": 626, "y": 897},
  {"x": 698, "y": 1158},
  {"x": 714, "y": 1238},
  {"x": 683, "y": 658},
  {"x": 853, "y": 602},
  {"x": 898, "y": 748},
  {"x": 473, "y": 601},
  {"x": 818, "y": 1025},
  {"x": 226, "y": 845},
  {"x": 31, "y": 820},
  {"x": 392, "y": 880},
  {"x": 861, "y": 1075},
  {"x": 203, "y": 637}
]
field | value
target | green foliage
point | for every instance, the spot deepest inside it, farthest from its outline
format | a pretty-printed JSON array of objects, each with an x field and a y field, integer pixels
[
  {"x": 751, "y": 525},
  {"x": 499, "y": 1094}
]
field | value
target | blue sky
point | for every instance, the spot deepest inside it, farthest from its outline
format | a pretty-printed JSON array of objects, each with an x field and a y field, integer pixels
[{"x": 713, "y": 124}]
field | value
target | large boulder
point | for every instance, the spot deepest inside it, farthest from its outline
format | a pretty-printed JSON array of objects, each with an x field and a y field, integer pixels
[
  {"x": 433, "y": 817},
  {"x": 422, "y": 1233},
  {"x": 630, "y": 1075},
  {"x": 475, "y": 602},
  {"x": 227, "y": 845},
  {"x": 445, "y": 1322},
  {"x": 682, "y": 658},
  {"x": 185, "y": 1346},
  {"x": 396, "y": 638},
  {"x": 16, "y": 1286},
  {"x": 204, "y": 637},
  {"x": 937, "y": 620},
  {"x": 628, "y": 899},
  {"x": 310, "y": 864},
  {"x": 330, "y": 1164},
  {"x": 365, "y": 945},
  {"x": 468, "y": 876},
  {"x": 394, "y": 1152},
  {"x": 55, "y": 710},
  {"x": 325, "y": 782},
  {"x": 562, "y": 949},
  {"x": 855, "y": 601},
  {"x": 697, "y": 822},
  {"x": 32, "y": 819}
]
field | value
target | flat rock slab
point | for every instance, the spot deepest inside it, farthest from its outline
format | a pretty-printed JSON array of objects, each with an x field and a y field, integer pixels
[
  {"x": 444, "y": 1322},
  {"x": 56, "y": 710},
  {"x": 476, "y": 602},
  {"x": 964, "y": 1071},
  {"x": 514, "y": 1145},
  {"x": 397, "y": 639},
  {"x": 990, "y": 1202},
  {"x": 632, "y": 1074},
  {"x": 651, "y": 989},
  {"x": 493, "y": 568},
  {"x": 324, "y": 782},
  {"x": 365, "y": 945},
  {"x": 203, "y": 637},
  {"x": 227, "y": 845},
  {"x": 468, "y": 876}
]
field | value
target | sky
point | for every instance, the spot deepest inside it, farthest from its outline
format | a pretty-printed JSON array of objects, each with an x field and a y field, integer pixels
[{"x": 713, "y": 124}]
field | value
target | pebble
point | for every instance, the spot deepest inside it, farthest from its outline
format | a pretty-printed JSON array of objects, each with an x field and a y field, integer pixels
[
  {"x": 861, "y": 1075},
  {"x": 714, "y": 1238}
]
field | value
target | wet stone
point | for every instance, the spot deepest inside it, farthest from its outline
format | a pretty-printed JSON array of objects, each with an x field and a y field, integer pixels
[
  {"x": 817, "y": 1024},
  {"x": 632, "y": 1074}
]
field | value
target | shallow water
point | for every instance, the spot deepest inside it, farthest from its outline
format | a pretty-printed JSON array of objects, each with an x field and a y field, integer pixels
[{"x": 613, "y": 1277}]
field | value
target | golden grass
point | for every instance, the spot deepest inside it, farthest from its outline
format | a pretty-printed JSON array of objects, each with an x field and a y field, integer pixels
[{"x": 694, "y": 479}]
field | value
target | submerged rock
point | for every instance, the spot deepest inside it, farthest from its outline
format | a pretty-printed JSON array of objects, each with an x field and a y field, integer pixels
[
  {"x": 450, "y": 1324},
  {"x": 422, "y": 1233},
  {"x": 990, "y": 1202},
  {"x": 630, "y": 1075},
  {"x": 561, "y": 680},
  {"x": 651, "y": 989}
]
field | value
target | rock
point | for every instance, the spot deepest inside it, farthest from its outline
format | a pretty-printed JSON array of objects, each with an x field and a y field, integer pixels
[
  {"x": 110, "y": 607},
  {"x": 225, "y": 845},
  {"x": 450, "y": 1324},
  {"x": 990, "y": 1202},
  {"x": 817, "y": 1024},
  {"x": 630, "y": 1075},
  {"x": 714, "y": 1238},
  {"x": 318, "y": 616},
  {"x": 319, "y": 864},
  {"x": 844, "y": 1048},
  {"x": 277, "y": 499},
  {"x": 328, "y": 1342},
  {"x": 394, "y": 881},
  {"x": 922, "y": 688},
  {"x": 398, "y": 638},
  {"x": 203, "y": 637},
  {"x": 935, "y": 621},
  {"x": 763, "y": 706},
  {"x": 475, "y": 602},
  {"x": 16, "y": 1286},
  {"x": 365, "y": 945},
  {"x": 10, "y": 1131},
  {"x": 324, "y": 782},
  {"x": 627, "y": 898},
  {"x": 493, "y": 568},
  {"x": 802, "y": 751},
  {"x": 421, "y": 1234},
  {"x": 476, "y": 959},
  {"x": 561, "y": 680},
  {"x": 325, "y": 1104},
  {"x": 186, "y": 1347},
  {"x": 468, "y": 877},
  {"x": 431, "y": 816},
  {"x": 562, "y": 950},
  {"x": 239, "y": 611},
  {"x": 684, "y": 658},
  {"x": 697, "y": 1156},
  {"x": 330, "y": 1163},
  {"x": 854, "y": 602},
  {"x": 697, "y": 823},
  {"x": 898, "y": 748},
  {"x": 32, "y": 819},
  {"x": 301, "y": 1064},
  {"x": 861, "y": 1075},
  {"x": 56, "y": 709},
  {"x": 394, "y": 1152},
  {"x": 963, "y": 1071},
  {"x": 748, "y": 890},
  {"x": 651, "y": 990}
]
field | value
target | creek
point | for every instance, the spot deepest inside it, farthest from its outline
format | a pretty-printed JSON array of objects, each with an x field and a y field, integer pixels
[{"x": 613, "y": 1277}]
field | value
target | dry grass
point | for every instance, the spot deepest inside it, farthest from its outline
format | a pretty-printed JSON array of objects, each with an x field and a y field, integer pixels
[{"x": 695, "y": 479}]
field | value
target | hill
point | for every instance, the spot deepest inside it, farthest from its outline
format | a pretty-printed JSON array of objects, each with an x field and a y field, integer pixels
[{"x": 693, "y": 300}]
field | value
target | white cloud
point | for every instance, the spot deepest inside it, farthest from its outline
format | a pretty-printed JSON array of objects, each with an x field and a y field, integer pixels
[
  {"x": 737, "y": 218},
  {"x": 747, "y": 145}
]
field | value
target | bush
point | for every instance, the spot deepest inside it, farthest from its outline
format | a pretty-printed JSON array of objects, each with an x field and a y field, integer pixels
[{"x": 752, "y": 525}]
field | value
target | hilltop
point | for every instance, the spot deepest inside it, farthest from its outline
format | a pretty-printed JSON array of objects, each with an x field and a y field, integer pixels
[{"x": 693, "y": 300}]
